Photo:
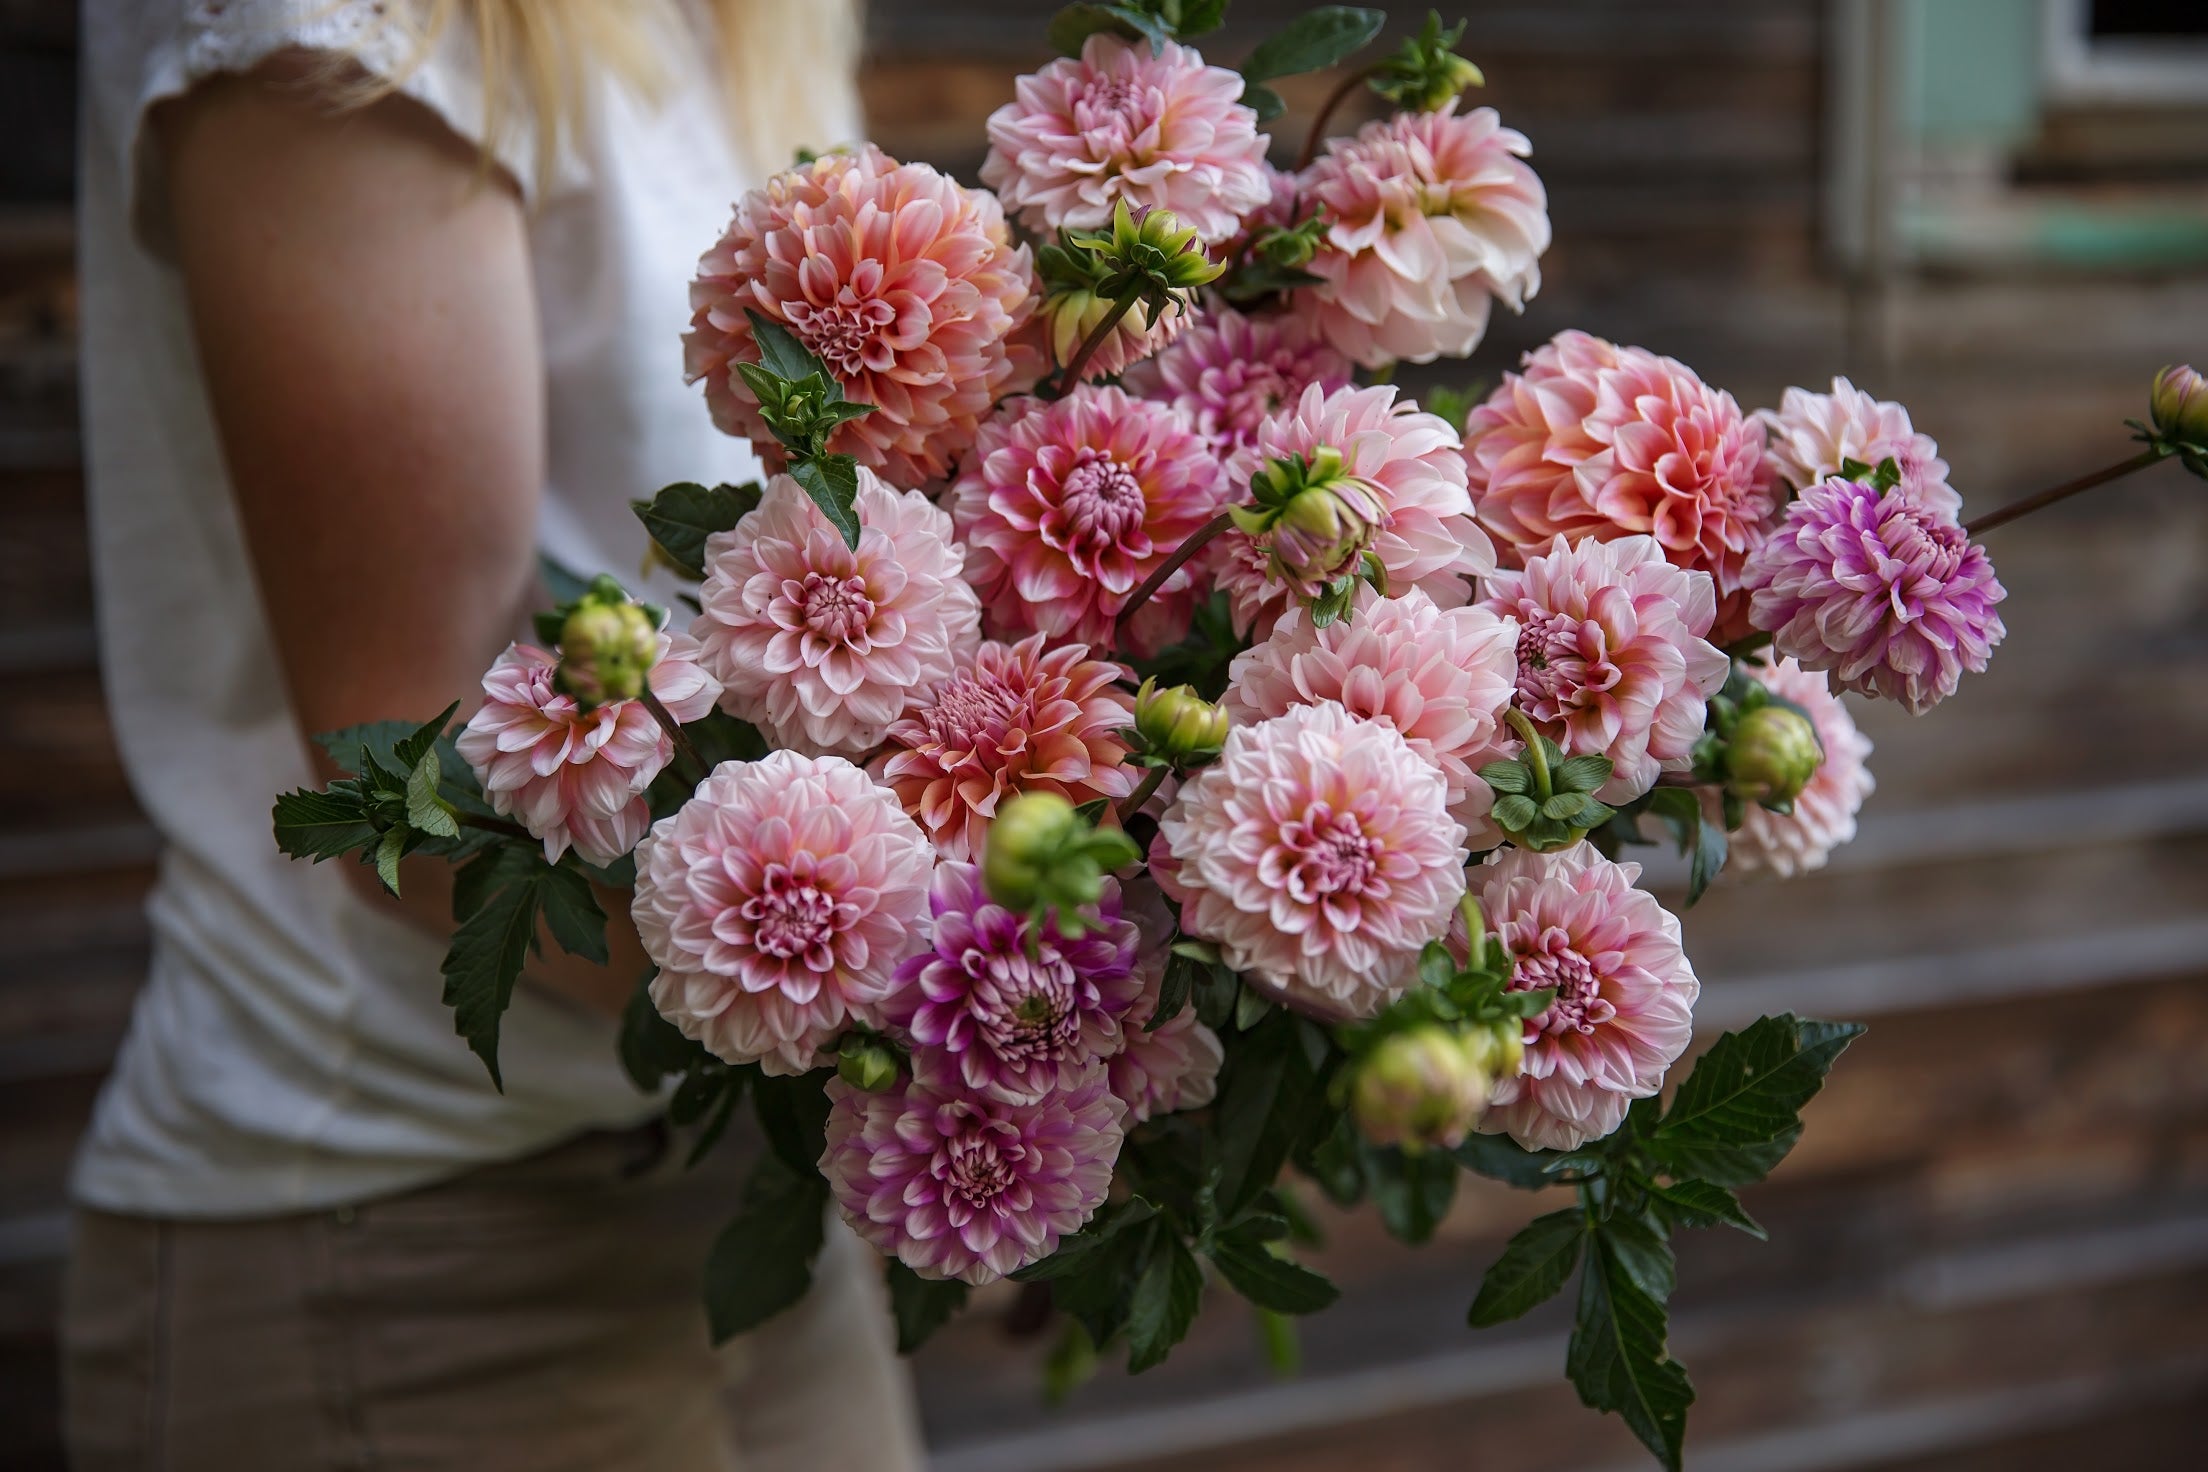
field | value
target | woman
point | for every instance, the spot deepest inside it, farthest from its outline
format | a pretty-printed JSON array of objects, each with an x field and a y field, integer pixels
[{"x": 379, "y": 301}]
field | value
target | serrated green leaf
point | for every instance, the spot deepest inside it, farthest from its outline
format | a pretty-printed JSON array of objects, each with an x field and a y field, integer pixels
[
  {"x": 572, "y": 914},
  {"x": 780, "y": 353},
  {"x": 1507, "y": 777},
  {"x": 1076, "y": 1252},
  {"x": 1515, "y": 813},
  {"x": 1500, "y": 1158},
  {"x": 1618, "y": 1358},
  {"x": 1412, "y": 1192},
  {"x": 388, "y": 854},
  {"x": 1262, "y": 100},
  {"x": 682, "y": 516},
  {"x": 1268, "y": 1280},
  {"x": 1093, "y": 810},
  {"x": 921, "y": 1305},
  {"x": 1174, "y": 989},
  {"x": 1313, "y": 41},
  {"x": 762, "y": 1262},
  {"x": 1267, "y": 1093},
  {"x": 1739, "y": 1112},
  {"x": 833, "y": 483},
  {"x": 425, "y": 810},
  {"x": 1165, "y": 1300},
  {"x": 1701, "y": 1204},
  {"x": 489, "y": 950},
  {"x": 1702, "y": 843},
  {"x": 1582, "y": 773},
  {"x": 322, "y": 825},
  {"x": 1641, "y": 1254},
  {"x": 1250, "y": 1008},
  {"x": 1534, "y": 1267}
]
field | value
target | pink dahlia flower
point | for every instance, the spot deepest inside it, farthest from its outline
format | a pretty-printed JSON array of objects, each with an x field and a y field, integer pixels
[
  {"x": 576, "y": 778},
  {"x": 905, "y": 284},
  {"x": 1884, "y": 592},
  {"x": 1824, "y": 811},
  {"x": 1813, "y": 435},
  {"x": 1431, "y": 216},
  {"x": 823, "y": 646},
  {"x": 1625, "y": 994},
  {"x": 1065, "y": 509},
  {"x": 1116, "y": 122},
  {"x": 1008, "y": 1010},
  {"x": 1176, "y": 1065},
  {"x": 1525, "y": 443},
  {"x": 1014, "y": 718},
  {"x": 957, "y": 1185},
  {"x": 777, "y": 904},
  {"x": 1612, "y": 655},
  {"x": 1282, "y": 210},
  {"x": 1231, "y": 373},
  {"x": 1407, "y": 461},
  {"x": 1441, "y": 676},
  {"x": 1318, "y": 853}
]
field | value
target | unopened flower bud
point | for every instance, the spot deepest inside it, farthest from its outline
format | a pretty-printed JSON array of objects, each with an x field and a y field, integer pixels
[
  {"x": 1772, "y": 755},
  {"x": 867, "y": 1063},
  {"x": 1315, "y": 518},
  {"x": 1073, "y": 313},
  {"x": 1179, "y": 724},
  {"x": 1420, "y": 1089},
  {"x": 1498, "y": 1047},
  {"x": 607, "y": 647},
  {"x": 2179, "y": 402},
  {"x": 1043, "y": 858},
  {"x": 1426, "y": 72},
  {"x": 1157, "y": 245}
]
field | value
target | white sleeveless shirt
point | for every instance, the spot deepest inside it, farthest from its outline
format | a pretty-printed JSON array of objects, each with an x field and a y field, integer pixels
[{"x": 290, "y": 1049}]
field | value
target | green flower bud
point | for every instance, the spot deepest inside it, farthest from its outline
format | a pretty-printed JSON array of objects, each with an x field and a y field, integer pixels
[
  {"x": 1426, "y": 71},
  {"x": 1314, "y": 517},
  {"x": 1498, "y": 1047},
  {"x": 608, "y": 645},
  {"x": 1773, "y": 753},
  {"x": 868, "y": 1063},
  {"x": 1179, "y": 724},
  {"x": 2179, "y": 402},
  {"x": 1424, "y": 1088},
  {"x": 1044, "y": 859}
]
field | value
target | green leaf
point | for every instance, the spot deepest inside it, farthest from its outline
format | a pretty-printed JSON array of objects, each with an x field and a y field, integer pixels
[
  {"x": 921, "y": 1305},
  {"x": 780, "y": 353},
  {"x": 1250, "y": 1008},
  {"x": 1262, "y": 100},
  {"x": 1266, "y": 1096},
  {"x": 794, "y": 1114},
  {"x": 1582, "y": 773},
  {"x": 1079, "y": 1251},
  {"x": 1413, "y": 1192},
  {"x": 1507, "y": 777},
  {"x": 1500, "y": 1158},
  {"x": 1534, "y": 1267},
  {"x": 683, "y": 515},
  {"x": 388, "y": 854},
  {"x": 1618, "y": 1358},
  {"x": 572, "y": 913},
  {"x": 1515, "y": 812},
  {"x": 564, "y": 583},
  {"x": 1174, "y": 989},
  {"x": 322, "y": 825},
  {"x": 1700, "y": 1204},
  {"x": 489, "y": 948},
  {"x": 651, "y": 1047},
  {"x": 1739, "y": 1112},
  {"x": 1314, "y": 41},
  {"x": 1165, "y": 1300},
  {"x": 1641, "y": 1253},
  {"x": 833, "y": 483},
  {"x": 425, "y": 810},
  {"x": 762, "y": 1262},
  {"x": 1564, "y": 806},
  {"x": 1702, "y": 843},
  {"x": 1072, "y": 26},
  {"x": 1268, "y": 1280}
]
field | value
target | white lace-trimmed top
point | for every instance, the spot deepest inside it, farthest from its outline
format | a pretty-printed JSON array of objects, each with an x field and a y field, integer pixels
[{"x": 290, "y": 1049}]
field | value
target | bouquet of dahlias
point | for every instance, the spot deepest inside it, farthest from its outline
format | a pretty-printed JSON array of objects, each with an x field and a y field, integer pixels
[{"x": 1130, "y": 767}]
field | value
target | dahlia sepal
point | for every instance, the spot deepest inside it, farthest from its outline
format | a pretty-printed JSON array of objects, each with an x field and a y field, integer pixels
[
  {"x": 869, "y": 1062},
  {"x": 1426, "y": 71},
  {"x": 1545, "y": 800}
]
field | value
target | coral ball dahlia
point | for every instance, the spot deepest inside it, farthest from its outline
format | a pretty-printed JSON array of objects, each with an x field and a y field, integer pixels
[
  {"x": 1824, "y": 811},
  {"x": 1118, "y": 123},
  {"x": 1430, "y": 216},
  {"x": 777, "y": 904},
  {"x": 1625, "y": 993},
  {"x": 1067, "y": 507},
  {"x": 575, "y": 778},
  {"x": 1230, "y": 373},
  {"x": 1014, "y": 718},
  {"x": 958, "y": 1185},
  {"x": 905, "y": 284},
  {"x": 823, "y": 646},
  {"x": 1317, "y": 852}
]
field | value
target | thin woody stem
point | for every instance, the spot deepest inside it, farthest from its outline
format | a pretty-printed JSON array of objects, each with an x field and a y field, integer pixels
[
  {"x": 2063, "y": 492},
  {"x": 1334, "y": 99},
  {"x": 493, "y": 825},
  {"x": 686, "y": 755},
  {"x": 1092, "y": 342},
  {"x": 1189, "y": 548},
  {"x": 1132, "y": 803}
]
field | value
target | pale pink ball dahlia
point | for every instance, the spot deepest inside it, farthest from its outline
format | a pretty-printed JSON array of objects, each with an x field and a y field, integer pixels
[
  {"x": 957, "y": 1185},
  {"x": 1812, "y": 435},
  {"x": 1014, "y": 718},
  {"x": 1882, "y": 591},
  {"x": 1432, "y": 216},
  {"x": 997, "y": 1005},
  {"x": 1230, "y": 373},
  {"x": 1065, "y": 509},
  {"x": 1612, "y": 655},
  {"x": 1407, "y": 461},
  {"x": 905, "y": 284},
  {"x": 1318, "y": 853},
  {"x": 576, "y": 778},
  {"x": 1116, "y": 122},
  {"x": 1441, "y": 676},
  {"x": 1824, "y": 811},
  {"x": 1176, "y": 1065},
  {"x": 1625, "y": 993},
  {"x": 823, "y": 646},
  {"x": 777, "y": 904}
]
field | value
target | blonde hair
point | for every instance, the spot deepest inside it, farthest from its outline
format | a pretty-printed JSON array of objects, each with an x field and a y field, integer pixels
[{"x": 788, "y": 67}]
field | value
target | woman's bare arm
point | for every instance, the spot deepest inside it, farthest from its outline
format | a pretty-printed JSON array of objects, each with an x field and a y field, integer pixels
[{"x": 361, "y": 296}]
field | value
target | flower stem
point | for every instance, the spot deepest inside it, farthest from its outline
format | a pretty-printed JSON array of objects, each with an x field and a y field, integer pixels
[
  {"x": 1334, "y": 99},
  {"x": 2063, "y": 492},
  {"x": 687, "y": 761},
  {"x": 1132, "y": 803},
  {"x": 493, "y": 825},
  {"x": 1536, "y": 758},
  {"x": 1081, "y": 355},
  {"x": 1150, "y": 585}
]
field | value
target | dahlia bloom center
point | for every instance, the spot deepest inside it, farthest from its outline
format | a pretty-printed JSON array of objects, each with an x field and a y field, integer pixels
[
  {"x": 848, "y": 333},
  {"x": 1559, "y": 658},
  {"x": 1110, "y": 113},
  {"x": 1551, "y": 961},
  {"x": 1910, "y": 552},
  {"x": 977, "y": 1166},
  {"x": 1028, "y": 1005},
  {"x": 1325, "y": 853},
  {"x": 972, "y": 710},
  {"x": 834, "y": 610},
  {"x": 790, "y": 917},
  {"x": 1102, "y": 506}
]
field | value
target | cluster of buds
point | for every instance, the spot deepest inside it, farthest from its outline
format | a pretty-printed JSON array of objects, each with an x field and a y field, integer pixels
[
  {"x": 607, "y": 641},
  {"x": 1426, "y": 72},
  {"x": 1314, "y": 520},
  {"x": 1047, "y": 859},
  {"x": 1176, "y": 727},
  {"x": 2179, "y": 406}
]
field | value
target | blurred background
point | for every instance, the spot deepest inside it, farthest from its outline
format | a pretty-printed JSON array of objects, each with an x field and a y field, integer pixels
[{"x": 1991, "y": 1249}]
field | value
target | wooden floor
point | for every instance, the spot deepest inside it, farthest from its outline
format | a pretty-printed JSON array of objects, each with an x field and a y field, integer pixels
[{"x": 1991, "y": 1251}]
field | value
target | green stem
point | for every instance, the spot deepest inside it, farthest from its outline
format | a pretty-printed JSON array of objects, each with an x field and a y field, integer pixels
[
  {"x": 1092, "y": 342},
  {"x": 1150, "y": 585},
  {"x": 493, "y": 825},
  {"x": 1980, "y": 525},
  {"x": 1132, "y": 803},
  {"x": 690, "y": 766},
  {"x": 1536, "y": 758},
  {"x": 1334, "y": 99}
]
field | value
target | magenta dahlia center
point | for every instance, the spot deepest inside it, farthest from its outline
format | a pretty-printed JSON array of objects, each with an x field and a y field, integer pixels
[
  {"x": 836, "y": 609},
  {"x": 974, "y": 1167},
  {"x": 1580, "y": 1005},
  {"x": 1102, "y": 503},
  {"x": 843, "y": 333},
  {"x": 1552, "y": 665},
  {"x": 789, "y": 917},
  {"x": 1326, "y": 853},
  {"x": 969, "y": 711},
  {"x": 1026, "y": 1005}
]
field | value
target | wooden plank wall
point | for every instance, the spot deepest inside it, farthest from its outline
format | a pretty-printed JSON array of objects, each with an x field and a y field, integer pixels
[{"x": 1992, "y": 1250}]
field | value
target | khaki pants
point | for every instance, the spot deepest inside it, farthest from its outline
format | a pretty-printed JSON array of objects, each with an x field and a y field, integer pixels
[{"x": 542, "y": 1315}]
